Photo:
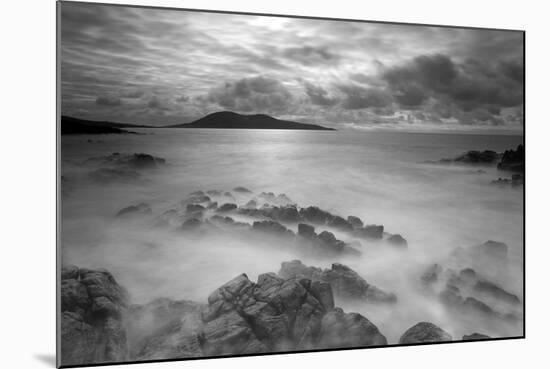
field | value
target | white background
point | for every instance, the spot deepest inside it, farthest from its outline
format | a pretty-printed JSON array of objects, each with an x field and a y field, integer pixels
[{"x": 27, "y": 88}]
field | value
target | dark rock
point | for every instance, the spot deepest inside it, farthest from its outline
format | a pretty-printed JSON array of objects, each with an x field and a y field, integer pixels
[
  {"x": 345, "y": 282},
  {"x": 497, "y": 292},
  {"x": 306, "y": 230},
  {"x": 494, "y": 249},
  {"x": 478, "y": 306},
  {"x": 194, "y": 208},
  {"x": 475, "y": 336},
  {"x": 475, "y": 157},
  {"x": 92, "y": 331},
  {"x": 242, "y": 190},
  {"x": 340, "y": 223},
  {"x": 134, "y": 210},
  {"x": 226, "y": 208},
  {"x": 133, "y": 161},
  {"x": 339, "y": 329},
  {"x": 315, "y": 215},
  {"x": 272, "y": 227},
  {"x": 515, "y": 181},
  {"x": 451, "y": 296},
  {"x": 356, "y": 222},
  {"x": 370, "y": 231},
  {"x": 513, "y": 160},
  {"x": 191, "y": 224},
  {"x": 424, "y": 332},
  {"x": 397, "y": 240},
  {"x": 288, "y": 214},
  {"x": 113, "y": 175},
  {"x": 432, "y": 273}
]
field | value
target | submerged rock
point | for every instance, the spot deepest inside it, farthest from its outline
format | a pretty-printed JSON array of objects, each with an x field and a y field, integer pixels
[
  {"x": 227, "y": 207},
  {"x": 135, "y": 210},
  {"x": 515, "y": 181},
  {"x": 424, "y": 332},
  {"x": 493, "y": 249},
  {"x": 191, "y": 224},
  {"x": 242, "y": 190},
  {"x": 370, "y": 231},
  {"x": 113, "y": 175},
  {"x": 345, "y": 282},
  {"x": 134, "y": 161}
]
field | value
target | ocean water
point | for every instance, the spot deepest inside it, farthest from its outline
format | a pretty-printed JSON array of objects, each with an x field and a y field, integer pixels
[{"x": 383, "y": 177}]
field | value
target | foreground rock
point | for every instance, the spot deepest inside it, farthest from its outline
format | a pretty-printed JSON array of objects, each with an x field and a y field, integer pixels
[
  {"x": 424, "y": 332},
  {"x": 475, "y": 336},
  {"x": 240, "y": 317},
  {"x": 345, "y": 282},
  {"x": 92, "y": 307}
]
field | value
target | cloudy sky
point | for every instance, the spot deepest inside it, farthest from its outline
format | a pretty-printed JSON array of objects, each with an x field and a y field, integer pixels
[{"x": 160, "y": 67}]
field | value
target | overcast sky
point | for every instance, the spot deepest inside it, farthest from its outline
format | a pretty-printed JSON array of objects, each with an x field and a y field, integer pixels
[{"x": 160, "y": 67}]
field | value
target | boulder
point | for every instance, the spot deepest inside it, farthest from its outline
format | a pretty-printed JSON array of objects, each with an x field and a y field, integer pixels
[
  {"x": 397, "y": 240},
  {"x": 424, "y": 332},
  {"x": 306, "y": 230},
  {"x": 339, "y": 329}
]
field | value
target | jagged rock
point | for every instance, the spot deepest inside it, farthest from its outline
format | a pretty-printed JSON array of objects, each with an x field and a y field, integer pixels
[
  {"x": 315, "y": 215},
  {"x": 424, "y": 332},
  {"x": 475, "y": 336},
  {"x": 91, "y": 325},
  {"x": 345, "y": 282},
  {"x": 370, "y": 231},
  {"x": 272, "y": 227},
  {"x": 513, "y": 160},
  {"x": 227, "y": 207},
  {"x": 340, "y": 223},
  {"x": 495, "y": 291},
  {"x": 432, "y": 273},
  {"x": 306, "y": 230},
  {"x": 397, "y": 240},
  {"x": 339, "y": 329},
  {"x": 475, "y": 157},
  {"x": 242, "y": 190},
  {"x": 133, "y": 210},
  {"x": 356, "y": 222},
  {"x": 113, "y": 175}
]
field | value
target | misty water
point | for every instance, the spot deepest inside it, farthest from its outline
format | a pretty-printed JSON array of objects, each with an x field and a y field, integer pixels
[{"x": 382, "y": 177}]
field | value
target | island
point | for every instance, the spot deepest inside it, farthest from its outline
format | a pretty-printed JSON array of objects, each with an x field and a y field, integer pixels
[
  {"x": 76, "y": 126},
  {"x": 232, "y": 120}
]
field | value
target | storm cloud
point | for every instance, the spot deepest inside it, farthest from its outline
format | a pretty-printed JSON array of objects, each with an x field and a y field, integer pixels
[{"x": 159, "y": 67}]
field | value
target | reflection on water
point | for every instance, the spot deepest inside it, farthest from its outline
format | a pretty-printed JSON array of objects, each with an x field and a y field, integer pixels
[{"x": 381, "y": 177}]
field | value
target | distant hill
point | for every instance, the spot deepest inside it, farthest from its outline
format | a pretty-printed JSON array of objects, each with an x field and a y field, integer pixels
[
  {"x": 75, "y": 126},
  {"x": 231, "y": 120}
]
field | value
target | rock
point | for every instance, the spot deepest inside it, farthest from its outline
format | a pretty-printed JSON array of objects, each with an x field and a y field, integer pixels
[
  {"x": 475, "y": 157},
  {"x": 356, "y": 222},
  {"x": 515, "y": 181},
  {"x": 280, "y": 199},
  {"x": 340, "y": 223},
  {"x": 134, "y": 161},
  {"x": 226, "y": 208},
  {"x": 113, "y": 175},
  {"x": 92, "y": 305},
  {"x": 135, "y": 210},
  {"x": 194, "y": 208},
  {"x": 370, "y": 231},
  {"x": 315, "y": 215},
  {"x": 468, "y": 275},
  {"x": 217, "y": 193},
  {"x": 495, "y": 291},
  {"x": 197, "y": 197},
  {"x": 424, "y": 332},
  {"x": 513, "y": 160},
  {"x": 478, "y": 306},
  {"x": 451, "y": 296},
  {"x": 494, "y": 249},
  {"x": 252, "y": 204},
  {"x": 397, "y": 240},
  {"x": 191, "y": 224},
  {"x": 306, "y": 230},
  {"x": 272, "y": 227},
  {"x": 432, "y": 273},
  {"x": 339, "y": 329},
  {"x": 475, "y": 336},
  {"x": 242, "y": 190},
  {"x": 288, "y": 214},
  {"x": 221, "y": 219},
  {"x": 345, "y": 282}
]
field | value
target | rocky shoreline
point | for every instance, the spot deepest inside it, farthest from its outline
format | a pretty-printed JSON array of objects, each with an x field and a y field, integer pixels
[{"x": 284, "y": 311}]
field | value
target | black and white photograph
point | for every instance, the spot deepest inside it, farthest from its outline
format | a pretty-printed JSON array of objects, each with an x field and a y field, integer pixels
[{"x": 235, "y": 184}]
